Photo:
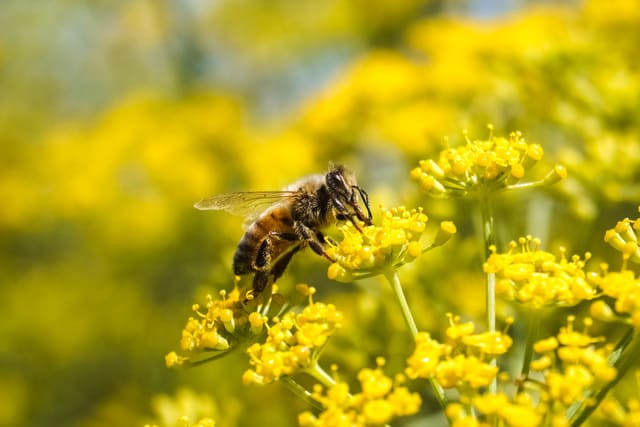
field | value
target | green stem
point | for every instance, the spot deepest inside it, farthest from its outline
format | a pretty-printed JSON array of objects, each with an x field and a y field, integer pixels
[
  {"x": 488, "y": 232},
  {"x": 321, "y": 375},
  {"x": 621, "y": 358},
  {"x": 532, "y": 328},
  {"x": 300, "y": 391},
  {"x": 396, "y": 286}
]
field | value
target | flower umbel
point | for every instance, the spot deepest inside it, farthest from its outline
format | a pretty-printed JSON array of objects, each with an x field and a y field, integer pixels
[
  {"x": 617, "y": 414},
  {"x": 463, "y": 362},
  {"x": 375, "y": 249},
  {"x": 293, "y": 344},
  {"x": 537, "y": 278},
  {"x": 571, "y": 364},
  {"x": 623, "y": 237},
  {"x": 210, "y": 331},
  {"x": 380, "y": 401},
  {"x": 483, "y": 166},
  {"x": 623, "y": 286}
]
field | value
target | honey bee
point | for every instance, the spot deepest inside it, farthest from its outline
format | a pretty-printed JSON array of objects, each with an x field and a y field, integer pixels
[{"x": 280, "y": 223}]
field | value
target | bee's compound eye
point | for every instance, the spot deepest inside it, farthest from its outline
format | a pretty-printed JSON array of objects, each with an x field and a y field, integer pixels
[{"x": 335, "y": 181}]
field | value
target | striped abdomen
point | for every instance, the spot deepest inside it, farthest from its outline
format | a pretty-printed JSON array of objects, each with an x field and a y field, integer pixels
[{"x": 258, "y": 249}]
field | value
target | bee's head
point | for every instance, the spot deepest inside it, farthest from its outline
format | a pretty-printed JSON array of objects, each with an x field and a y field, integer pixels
[{"x": 346, "y": 195}]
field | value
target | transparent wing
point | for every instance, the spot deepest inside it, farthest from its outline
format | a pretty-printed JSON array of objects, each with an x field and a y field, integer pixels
[{"x": 245, "y": 203}]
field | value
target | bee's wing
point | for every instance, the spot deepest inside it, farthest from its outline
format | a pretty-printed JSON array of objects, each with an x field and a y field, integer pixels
[{"x": 248, "y": 204}]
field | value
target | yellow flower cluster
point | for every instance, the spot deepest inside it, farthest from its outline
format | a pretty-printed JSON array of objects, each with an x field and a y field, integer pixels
[
  {"x": 616, "y": 413},
  {"x": 181, "y": 409},
  {"x": 463, "y": 362},
  {"x": 535, "y": 277},
  {"x": 380, "y": 401},
  {"x": 482, "y": 166},
  {"x": 374, "y": 249},
  {"x": 624, "y": 288},
  {"x": 293, "y": 343},
  {"x": 184, "y": 422},
  {"x": 623, "y": 238},
  {"x": 225, "y": 322},
  {"x": 571, "y": 364},
  {"x": 518, "y": 412}
]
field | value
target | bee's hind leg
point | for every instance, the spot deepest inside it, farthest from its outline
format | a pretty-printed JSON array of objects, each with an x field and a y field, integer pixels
[{"x": 263, "y": 260}]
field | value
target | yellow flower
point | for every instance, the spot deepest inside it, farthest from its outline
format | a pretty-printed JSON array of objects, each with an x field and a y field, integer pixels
[
  {"x": 461, "y": 371},
  {"x": 371, "y": 250},
  {"x": 225, "y": 323},
  {"x": 426, "y": 357},
  {"x": 617, "y": 414},
  {"x": 380, "y": 401},
  {"x": 293, "y": 343},
  {"x": 535, "y": 277},
  {"x": 463, "y": 362},
  {"x": 489, "y": 343},
  {"x": 570, "y": 386},
  {"x": 481, "y": 166},
  {"x": 623, "y": 237},
  {"x": 459, "y": 417},
  {"x": 515, "y": 414},
  {"x": 580, "y": 363},
  {"x": 624, "y": 288},
  {"x": 179, "y": 410}
]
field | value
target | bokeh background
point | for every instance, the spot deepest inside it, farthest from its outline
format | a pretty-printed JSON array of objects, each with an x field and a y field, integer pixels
[{"x": 116, "y": 116}]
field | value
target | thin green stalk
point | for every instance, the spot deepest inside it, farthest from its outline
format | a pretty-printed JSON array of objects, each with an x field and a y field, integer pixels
[
  {"x": 532, "y": 328},
  {"x": 300, "y": 391},
  {"x": 321, "y": 375},
  {"x": 396, "y": 286},
  {"x": 621, "y": 358},
  {"x": 488, "y": 232}
]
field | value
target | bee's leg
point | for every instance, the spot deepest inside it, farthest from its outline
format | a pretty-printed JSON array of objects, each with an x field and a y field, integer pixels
[
  {"x": 262, "y": 265},
  {"x": 322, "y": 238},
  {"x": 309, "y": 236},
  {"x": 280, "y": 265},
  {"x": 260, "y": 280},
  {"x": 263, "y": 259},
  {"x": 345, "y": 217}
]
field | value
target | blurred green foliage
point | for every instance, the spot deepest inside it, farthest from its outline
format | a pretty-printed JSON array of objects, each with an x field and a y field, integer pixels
[{"x": 117, "y": 116}]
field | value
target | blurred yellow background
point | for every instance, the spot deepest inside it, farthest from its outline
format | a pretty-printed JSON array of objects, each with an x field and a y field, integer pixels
[{"x": 117, "y": 116}]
